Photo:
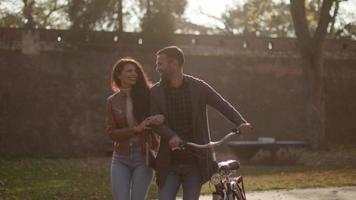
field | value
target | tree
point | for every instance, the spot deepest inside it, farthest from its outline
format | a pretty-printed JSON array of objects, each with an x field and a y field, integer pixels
[
  {"x": 185, "y": 27},
  {"x": 258, "y": 17},
  {"x": 310, "y": 44},
  {"x": 34, "y": 14},
  {"x": 28, "y": 12},
  {"x": 160, "y": 19},
  {"x": 273, "y": 19},
  {"x": 120, "y": 16},
  {"x": 85, "y": 15},
  {"x": 64, "y": 14},
  {"x": 11, "y": 20},
  {"x": 344, "y": 28},
  {"x": 47, "y": 14}
]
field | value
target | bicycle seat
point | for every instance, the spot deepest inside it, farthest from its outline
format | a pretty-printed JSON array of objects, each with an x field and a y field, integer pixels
[{"x": 229, "y": 165}]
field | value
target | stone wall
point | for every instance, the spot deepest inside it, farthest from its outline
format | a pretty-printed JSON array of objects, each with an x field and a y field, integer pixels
[{"x": 53, "y": 86}]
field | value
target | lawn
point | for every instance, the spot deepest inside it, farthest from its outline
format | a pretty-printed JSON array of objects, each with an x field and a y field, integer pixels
[{"x": 88, "y": 178}]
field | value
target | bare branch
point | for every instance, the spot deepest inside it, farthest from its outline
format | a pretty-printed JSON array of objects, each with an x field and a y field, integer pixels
[
  {"x": 227, "y": 29},
  {"x": 336, "y": 10},
  {"x": 54, "y": 9},
  {"x": 323, "y": 23}
]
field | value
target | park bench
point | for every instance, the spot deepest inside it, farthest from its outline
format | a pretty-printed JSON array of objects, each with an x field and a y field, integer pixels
[{"x": 247, "y": 149}]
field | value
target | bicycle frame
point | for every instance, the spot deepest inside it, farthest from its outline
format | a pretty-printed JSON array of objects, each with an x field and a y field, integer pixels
[
  {"x": 229, "y": 188},
  {"x": 233, "y": 189},
  {"x": 226, "y": 188}
]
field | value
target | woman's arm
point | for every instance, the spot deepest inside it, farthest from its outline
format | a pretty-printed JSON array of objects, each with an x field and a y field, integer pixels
[
  {"x": 121, "y": 134},
  {"x": 161, "y": 129},
  {"x": 156, "y": 119}
]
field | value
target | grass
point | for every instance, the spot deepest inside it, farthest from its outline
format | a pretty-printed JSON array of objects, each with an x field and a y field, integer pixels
[
  {"x": 296, "y": 177},
  {"x": 37, "y": 178},
  {"x": 88, "y": 178}
]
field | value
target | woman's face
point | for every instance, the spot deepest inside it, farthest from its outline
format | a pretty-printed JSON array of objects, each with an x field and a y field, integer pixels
[{"x": 128, "y": 76}]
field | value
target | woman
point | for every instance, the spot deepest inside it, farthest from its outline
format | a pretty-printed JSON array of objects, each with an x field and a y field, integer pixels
[{"x": 128, "y": 126}]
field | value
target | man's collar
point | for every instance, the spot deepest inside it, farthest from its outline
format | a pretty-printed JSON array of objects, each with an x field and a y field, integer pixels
[{"x": 165, "y": 83}]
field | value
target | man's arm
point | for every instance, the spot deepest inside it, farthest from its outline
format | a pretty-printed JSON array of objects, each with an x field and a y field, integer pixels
[{"x": 215, "y": 100}]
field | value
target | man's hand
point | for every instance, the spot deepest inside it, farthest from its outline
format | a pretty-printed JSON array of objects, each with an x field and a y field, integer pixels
[
  {"x": 245, "y": 129},
  {"x": 174, "y": 142}
]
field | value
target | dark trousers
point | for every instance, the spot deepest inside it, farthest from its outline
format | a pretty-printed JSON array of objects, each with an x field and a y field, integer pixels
[{"x": 186, "y": 175}]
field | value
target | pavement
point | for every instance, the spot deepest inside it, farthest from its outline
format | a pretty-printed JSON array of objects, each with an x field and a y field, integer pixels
[{"x": 332, "y": 193}]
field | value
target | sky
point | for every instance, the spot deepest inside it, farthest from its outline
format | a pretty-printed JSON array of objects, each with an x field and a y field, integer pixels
[{"x": 215, "y": 8}]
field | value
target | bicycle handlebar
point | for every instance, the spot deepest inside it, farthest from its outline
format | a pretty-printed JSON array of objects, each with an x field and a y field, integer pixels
[{"x": 234, "y": 131}]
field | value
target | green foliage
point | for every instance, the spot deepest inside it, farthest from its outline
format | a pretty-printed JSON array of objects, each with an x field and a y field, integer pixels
[
  {"x": 273, "y": 19},
  {"x": 158, "y": 24},
  {"x": 33, "y": 14},
  {"x": 157, "y": 18},
  {"x": 49, "y": 14},
  {"x": 11, "y": 20},
  {"x": 344, "y": 24},
  {"x": 58, "y": 14},
  {"x": 93, "y": 15},
  {"x": 259, "y": 17},
  {"x": 347, "y": 30}
]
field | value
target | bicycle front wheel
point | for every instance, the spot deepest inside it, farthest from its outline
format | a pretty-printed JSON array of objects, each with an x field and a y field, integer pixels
[
  {"x": 239, "y": 190},
  {"x": 238, "y": 193},
  {"x": 218, "y": 197}
]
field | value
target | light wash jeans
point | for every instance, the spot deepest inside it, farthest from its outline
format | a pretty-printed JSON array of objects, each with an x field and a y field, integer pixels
[
  {"x": 186, "y": 175},
  {"x": 130, "y": 177}
]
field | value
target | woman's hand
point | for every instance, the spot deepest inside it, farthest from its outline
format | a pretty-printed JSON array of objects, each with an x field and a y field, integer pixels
[
  {"x": 144, "y": 125},
  {"x": 155, "y": 119}
]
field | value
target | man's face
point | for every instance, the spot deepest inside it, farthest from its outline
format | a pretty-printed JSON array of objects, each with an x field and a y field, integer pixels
[{"x": 164, "y": 66}]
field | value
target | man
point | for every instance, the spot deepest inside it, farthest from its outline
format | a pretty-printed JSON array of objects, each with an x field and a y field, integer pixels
[{"x": 182, "y": 99}]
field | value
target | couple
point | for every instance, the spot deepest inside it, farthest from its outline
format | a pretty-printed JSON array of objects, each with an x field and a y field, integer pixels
[{"x": 175, "y": 109}]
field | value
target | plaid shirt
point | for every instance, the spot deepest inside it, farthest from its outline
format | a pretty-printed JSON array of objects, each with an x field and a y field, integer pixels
[
  {"x": 179, "y": 107},
  {"x": 179, "y": 110}
]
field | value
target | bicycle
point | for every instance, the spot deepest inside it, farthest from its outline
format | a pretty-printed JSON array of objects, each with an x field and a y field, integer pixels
[{"x": 226, "y": 187}]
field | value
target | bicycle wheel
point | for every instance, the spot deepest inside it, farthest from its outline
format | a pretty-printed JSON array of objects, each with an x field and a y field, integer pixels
[
  {"x": 239, "y": 194},
  {"x": 239, "y": 190},
  {"x": 230, "y": 196},
  {"x": 217, "y": 197}
]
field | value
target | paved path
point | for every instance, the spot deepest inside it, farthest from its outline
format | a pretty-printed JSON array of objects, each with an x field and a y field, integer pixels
[
  {"x": 341, "y": 193},
  {"x": 335, "y": 193}
]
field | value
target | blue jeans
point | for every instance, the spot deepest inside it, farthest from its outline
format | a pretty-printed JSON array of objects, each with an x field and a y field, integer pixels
[
  {"x": 186, "y": 175},
  {"x": 130, "y": 177}
]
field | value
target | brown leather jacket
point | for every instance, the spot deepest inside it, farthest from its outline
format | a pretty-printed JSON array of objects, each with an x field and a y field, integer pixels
[{"x": 119, "y": 131}]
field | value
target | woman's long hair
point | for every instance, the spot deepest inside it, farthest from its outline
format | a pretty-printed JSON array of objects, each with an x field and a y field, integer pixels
[{"x": 139, "y": 92}]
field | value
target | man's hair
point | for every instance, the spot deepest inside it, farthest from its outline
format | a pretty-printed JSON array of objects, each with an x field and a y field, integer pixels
[{"x": 173, "y": 52}]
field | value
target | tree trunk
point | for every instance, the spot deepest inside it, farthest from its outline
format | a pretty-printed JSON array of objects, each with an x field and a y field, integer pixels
[
  {"x": 311, "y": 48},
  {"x": 315, "y": 100},
  {"x": 120, "y": 17},
  {"x": 28, "y": 12}
]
